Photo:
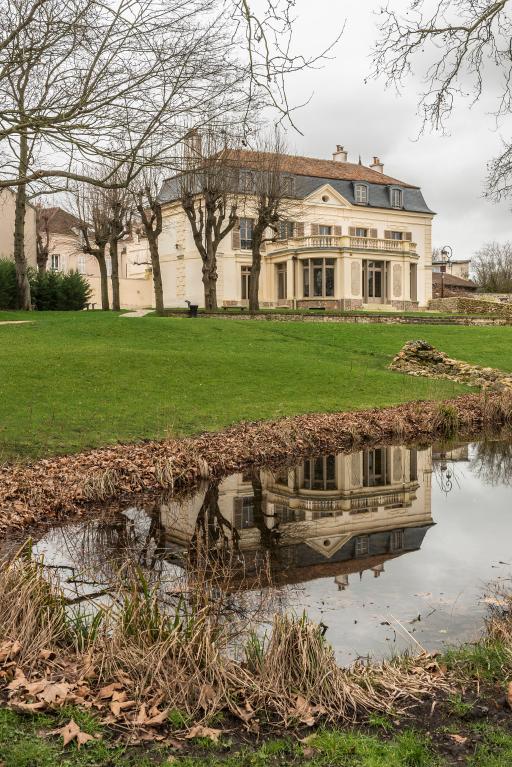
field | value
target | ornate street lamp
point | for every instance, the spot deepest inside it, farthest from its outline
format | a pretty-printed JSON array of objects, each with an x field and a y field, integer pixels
[{"x": 447, "y": 253}]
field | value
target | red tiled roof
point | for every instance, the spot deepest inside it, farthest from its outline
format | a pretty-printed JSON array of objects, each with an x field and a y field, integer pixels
[
  {"x": 451, "y": 279},
  {"x": 312, "y": 166},
  {"x": 60, "y": 221}
]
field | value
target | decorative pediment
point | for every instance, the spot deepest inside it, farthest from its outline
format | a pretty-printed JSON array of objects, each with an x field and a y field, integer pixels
[
  {"x": 328, "y": 545},
  {"x": 334, "y": 198}
]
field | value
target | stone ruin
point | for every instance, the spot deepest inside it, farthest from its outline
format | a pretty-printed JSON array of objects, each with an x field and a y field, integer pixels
[{"x": 419, "y": 358}]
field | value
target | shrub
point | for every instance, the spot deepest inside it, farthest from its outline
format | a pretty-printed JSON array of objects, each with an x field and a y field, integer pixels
[
  {"x": 7, "y": 284},
  {"x": 52, "y": 291},
  {"x": 55, "y": 291}
]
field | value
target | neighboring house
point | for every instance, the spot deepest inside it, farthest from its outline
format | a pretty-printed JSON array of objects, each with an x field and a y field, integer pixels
[
  {"x": 461, "y": 268},
  {"x": 363, "y": 239},
  {"x": 7, "y": 209},
  {"x": 445, "y": 285},
  {"x": 65, "y": 254},
  {"x": 327, "y": 517}
]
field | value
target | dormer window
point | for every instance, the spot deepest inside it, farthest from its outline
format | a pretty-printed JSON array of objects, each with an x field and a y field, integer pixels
[
  {"x": 397, "y": 198},
  {"x": 288, "y": 185},
  {"x": 361, "y": 194},
  {"x": 246, "y": 181}
]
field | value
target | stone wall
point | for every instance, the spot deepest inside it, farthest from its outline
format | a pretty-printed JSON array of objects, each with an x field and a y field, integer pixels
[
  {"x": 419, "y": 358},
  {"x": 467, "y": 305}
]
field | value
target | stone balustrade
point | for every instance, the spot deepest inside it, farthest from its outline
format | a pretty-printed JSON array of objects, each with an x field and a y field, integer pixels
[{"x": 344, "y": 243}]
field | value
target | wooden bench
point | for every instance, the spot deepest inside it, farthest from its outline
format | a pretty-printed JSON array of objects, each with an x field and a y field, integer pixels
[
  {"x": 89, "y": 306},
  {"x": 234, "y": 306},
  {"x": 316, "y": 308}
]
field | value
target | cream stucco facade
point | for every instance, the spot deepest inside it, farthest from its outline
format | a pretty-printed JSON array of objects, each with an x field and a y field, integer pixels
[
  {"x": 7, "y": 209},
  {"x": 342, "y": 254}
]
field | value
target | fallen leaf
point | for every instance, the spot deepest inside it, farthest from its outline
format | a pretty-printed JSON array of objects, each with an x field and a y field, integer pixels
[
  {"x": 47, "y": 655},
  {"x": 55, "y": 693},
  {"x": 28, "y": 707},
  {"x": 458, "y": 739},
  {"x": 199, "y": 731},
  {"x": 71, "y": 731},
  {"x": 109, "y": 690}
]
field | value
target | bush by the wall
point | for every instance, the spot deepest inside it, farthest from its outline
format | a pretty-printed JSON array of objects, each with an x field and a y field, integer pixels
[
  {"x": 7, "y": 284},
  {"x": 55, "y": 291},
  {"x": 52, "y": 291}
]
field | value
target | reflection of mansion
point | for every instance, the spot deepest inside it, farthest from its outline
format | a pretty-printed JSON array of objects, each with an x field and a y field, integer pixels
[{"x": 328, "y": 517}]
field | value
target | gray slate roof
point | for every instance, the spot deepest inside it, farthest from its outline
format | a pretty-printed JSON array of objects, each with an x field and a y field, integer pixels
[{"x": 379, "y": 195}]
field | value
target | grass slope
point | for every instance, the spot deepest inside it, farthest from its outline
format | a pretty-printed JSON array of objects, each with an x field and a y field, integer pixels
[{"x": 72, "y": 381}]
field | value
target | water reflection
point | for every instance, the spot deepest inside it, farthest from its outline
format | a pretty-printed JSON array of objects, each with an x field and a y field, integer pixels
[{"x": 331, "y": 535}]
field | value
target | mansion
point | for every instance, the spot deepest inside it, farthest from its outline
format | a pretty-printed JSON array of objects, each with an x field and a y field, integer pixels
[
  {"x": 359, "y": 238},
  {"x": 353, "y": 238}
]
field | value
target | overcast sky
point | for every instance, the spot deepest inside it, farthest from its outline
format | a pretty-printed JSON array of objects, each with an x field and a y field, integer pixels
[{"x": 369, "y": 120}]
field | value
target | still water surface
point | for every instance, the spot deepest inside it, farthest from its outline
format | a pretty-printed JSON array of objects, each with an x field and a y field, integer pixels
[{"x": 389, "y": 548}]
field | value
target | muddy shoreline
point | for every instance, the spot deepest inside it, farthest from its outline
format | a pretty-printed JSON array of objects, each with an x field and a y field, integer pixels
[{"x": 53, "y": 488}]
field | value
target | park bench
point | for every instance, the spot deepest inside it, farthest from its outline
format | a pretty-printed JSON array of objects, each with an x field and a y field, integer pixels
[
  {"x": 317, "y": 308},
  {"x": 90, "y": 305},
  {"x": 234, "y": 306}
]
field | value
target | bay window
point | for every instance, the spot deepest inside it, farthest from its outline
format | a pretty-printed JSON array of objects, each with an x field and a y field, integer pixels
[{"x": 318, "y": 277}]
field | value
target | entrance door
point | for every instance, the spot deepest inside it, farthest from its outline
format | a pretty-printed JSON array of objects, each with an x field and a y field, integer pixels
[{"x": 375, "y": 282}]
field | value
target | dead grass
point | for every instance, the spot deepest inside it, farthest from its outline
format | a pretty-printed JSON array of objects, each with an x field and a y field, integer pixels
[{"x": 145, "y": 656}]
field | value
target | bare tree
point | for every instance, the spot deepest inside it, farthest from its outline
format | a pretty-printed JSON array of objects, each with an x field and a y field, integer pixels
[
  {"x": 272, "y": 194},
  {"x": 117, "y": 211},
  {"x": 95, "y": 228},
  {"x": 42, "y": 238},
  {"x": 492, "y": 267},
  {"x": 149, "y": 209},
  {"x": 458, "y": 46},
  {"x": 208, "y": 191}
]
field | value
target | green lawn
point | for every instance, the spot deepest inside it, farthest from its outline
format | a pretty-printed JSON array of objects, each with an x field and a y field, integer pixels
[{"x": 70, "y": 381}]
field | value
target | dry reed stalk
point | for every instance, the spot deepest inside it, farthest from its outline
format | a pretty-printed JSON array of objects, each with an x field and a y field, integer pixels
[{"x": 32, "y": 608}]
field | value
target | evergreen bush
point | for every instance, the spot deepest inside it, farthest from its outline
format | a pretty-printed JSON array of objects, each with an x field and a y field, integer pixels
[
  {"x": 51, "y": 291},
  {"x": 7, "y": 284}
]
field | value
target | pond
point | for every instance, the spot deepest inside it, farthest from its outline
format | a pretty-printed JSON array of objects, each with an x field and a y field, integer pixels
[{"x": 388, "y": 548}]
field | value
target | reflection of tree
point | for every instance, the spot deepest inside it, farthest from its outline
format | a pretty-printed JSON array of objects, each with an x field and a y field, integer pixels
[
  {"x": 213, "y": 533},
  {"x": 492, "y": 462},
  {"x": 269, "y": 535}
]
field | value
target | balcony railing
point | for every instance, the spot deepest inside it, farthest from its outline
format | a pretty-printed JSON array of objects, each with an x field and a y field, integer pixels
[{"x": 345, "y": 242}]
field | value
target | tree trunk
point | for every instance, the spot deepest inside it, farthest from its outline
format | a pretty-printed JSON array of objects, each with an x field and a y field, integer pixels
[
  {"x": 23, "y": 298},
  {"x": 210, "y": 283},
  {"x": 157, "y": 272},
  {"x": 100, "y": 256},
  {"x": 254, "y": 279},
  {"x": 114, "y": 257}
]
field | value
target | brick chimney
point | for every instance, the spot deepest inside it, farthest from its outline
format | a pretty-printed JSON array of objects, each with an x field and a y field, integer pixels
[
  {"x": 340, "y": 155},
  {"x": 377, "y": 165}
]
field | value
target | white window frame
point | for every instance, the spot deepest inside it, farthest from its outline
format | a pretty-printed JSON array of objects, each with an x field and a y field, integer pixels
[
  {"x": 360, "y": 229},
  {"x": 397, "y": 199},
  {"x": 55, "y": 262},
  {"x": 245, "y": 272},
  {"x": 361, "y": 194},
  {"x": 108, "y": 261},
  {"x": 82, "y": 264},
  {"x": 396, "y": 235},
  {"x": 247, "y": 229}
]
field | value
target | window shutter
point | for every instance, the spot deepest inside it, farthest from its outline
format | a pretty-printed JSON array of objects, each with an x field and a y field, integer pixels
[
  {"x": 298, "y": 229},
  {"x": 373, "y": 234},
  {"x": 352, "y": 231},
  {"x": 235, "y": 237},
  {"x": 337, "y": 231},
  {"x": 315, "y": 229},
  {"x": 408, "y": 236},
  {"x": 387, "y": 234},
  {"x": 238, "y": 505}
]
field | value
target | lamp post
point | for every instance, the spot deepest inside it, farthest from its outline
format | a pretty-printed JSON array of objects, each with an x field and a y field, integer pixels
[{"x": 447, "y": 253}]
